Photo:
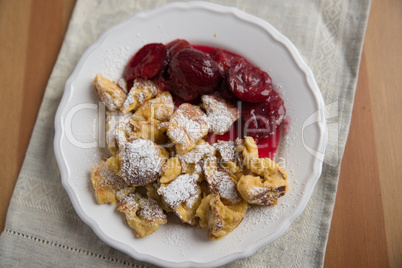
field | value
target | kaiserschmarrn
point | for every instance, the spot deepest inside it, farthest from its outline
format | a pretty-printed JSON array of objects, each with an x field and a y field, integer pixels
[{"x": 161, "y": 162}]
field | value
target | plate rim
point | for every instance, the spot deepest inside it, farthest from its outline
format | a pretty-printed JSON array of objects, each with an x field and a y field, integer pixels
[{"x": 311, "y": 181}]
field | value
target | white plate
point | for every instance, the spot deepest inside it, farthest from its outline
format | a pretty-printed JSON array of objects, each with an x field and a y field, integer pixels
[{"x": 79, "y": 143}]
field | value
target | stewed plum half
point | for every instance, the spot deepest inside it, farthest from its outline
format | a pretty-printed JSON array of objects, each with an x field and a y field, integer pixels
[
  {"x": 248, "y": 82},
  {"x": 224, "y": 58},
  {"x": 261, "y": 120},
  {"x": 194, "y": 73},
  {"x": 147, "y": 62},
  {"x": 177, "y": 45}
]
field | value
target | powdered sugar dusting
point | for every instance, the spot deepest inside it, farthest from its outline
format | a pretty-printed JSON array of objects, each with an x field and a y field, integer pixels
[
  {"x": 141, "y": 91},
  {"x": 141, "y": 162},
  {"x": 178, "y": 135},
  {"x": 265, "y": 215},
  {"x": 256, "y": 190},
  {"x": 192, "y": 128},
  {"x": 141, "y": 97},
  {"x": 226, "y": 188},
  {"x": 179, "y": 237},
  {"x": 113, "y": 60},
  {"x": 129, "y": 100},
  {"x": 118, "y": 125},
  {"x": 150, "y": 209},
  {"x": 122, "y": 84},
  {"x": 226, "y": 150},
  {"x": 198, "y": 167},
  {"x": 187, "y": 125},
  {"x": 195, "y": 155},
  {"x": 130, "y": 203},
  {"x": 191, "y": 202},
  {"x": 220, "y": 115},
  {"x": 107, "y": 179},
  {"x": 179, "y": 190}
]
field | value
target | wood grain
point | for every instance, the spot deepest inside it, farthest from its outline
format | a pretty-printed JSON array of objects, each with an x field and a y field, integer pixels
[
  {"x": 384, "y": 64},
  {"x": 14, "y": 29},
  {"x": 32, "y": 33},
  {"x": 366, "y": 227},
  {"x": 358, "y": 220}
]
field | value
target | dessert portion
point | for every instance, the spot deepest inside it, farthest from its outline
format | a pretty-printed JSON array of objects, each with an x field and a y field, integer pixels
[
  {"x": 183, "y": 195},
  {"x": 110, "y": 94},
  {"x": 187, "y": 126},
  {"x": 143, "y": 214},
  {"x": 119, "y": 131},
  {"x": 221, "y": 114},
  {"x": 109, "y": 187},
  {"x": 219, "y": 219},
  {"x": 184, "y": 129},
  {"x": 141, "y": 91},
  {"x": 141, "y": 162}
]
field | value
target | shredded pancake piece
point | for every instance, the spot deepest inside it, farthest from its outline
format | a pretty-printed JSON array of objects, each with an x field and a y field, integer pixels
[
  {"x": 266, "y": 182},
  {"x": 119, "y": 131},
  {"x": 186, "y": 211},
  {"x": 108, "y": 186},
  {"x": 171, "y": 170},
  {"x": 188, "y": 125},
  {"x": 141, "y": 162},
  {"x": 148, "y": 130},
  {"x": 190, "y": 160},
  {"x": 219, "y": 219},
  {"x": 220, "y": 181},
  {"x": 110, "y": 93},
  {"x": 179, "y": 190},
  {"x": 143, "y": 214},
  {"x": 226, "y": 150},
  {"x": 141, "y": 91},
  {"x": 183, "y": 195},
  {"x": 266, "y": 185},
  {"x": 150, "y": 114},
  {"x": 247, "y": 148},
  {"x": 221, "y": 115},
  {"x": 159, "y": 108}
]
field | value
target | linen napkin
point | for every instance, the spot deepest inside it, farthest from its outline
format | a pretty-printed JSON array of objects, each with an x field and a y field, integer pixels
[{"x": 42, "y": 228}]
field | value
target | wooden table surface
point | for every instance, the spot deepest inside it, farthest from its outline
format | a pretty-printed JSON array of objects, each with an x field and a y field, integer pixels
[{"x": 366, "y": 227}]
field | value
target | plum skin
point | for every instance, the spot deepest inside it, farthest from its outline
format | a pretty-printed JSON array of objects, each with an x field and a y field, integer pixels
[{"x": 195, "y": 72}]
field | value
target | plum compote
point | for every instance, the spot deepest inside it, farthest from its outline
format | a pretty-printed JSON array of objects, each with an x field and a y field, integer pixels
[
  {"x": 194, "y": 73},
  {"x": 262, "y": 120},
  {"x": 189, "y": 71},
  {"x": 249, "y": 83},
  {"x": 147, "y": 62}
]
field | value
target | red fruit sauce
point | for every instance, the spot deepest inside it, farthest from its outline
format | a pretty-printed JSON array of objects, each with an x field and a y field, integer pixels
[{"x": 189, "y": 71}]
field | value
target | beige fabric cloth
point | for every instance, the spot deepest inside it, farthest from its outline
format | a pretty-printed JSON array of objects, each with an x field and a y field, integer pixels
[{"x": 42, "y": 228}]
